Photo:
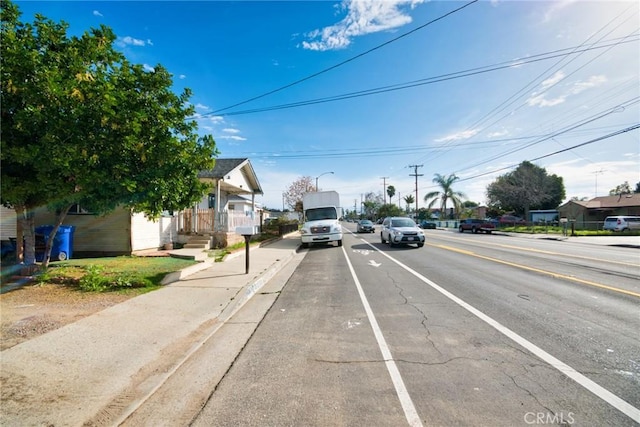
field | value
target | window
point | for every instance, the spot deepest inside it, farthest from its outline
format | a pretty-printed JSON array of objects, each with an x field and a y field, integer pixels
[
  {"x": 76, "y": 209},
  {"x": 212, "y": 201}
]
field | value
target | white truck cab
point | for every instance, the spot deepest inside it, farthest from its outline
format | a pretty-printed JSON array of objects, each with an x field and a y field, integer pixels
[{"x": 322, "y": 214}]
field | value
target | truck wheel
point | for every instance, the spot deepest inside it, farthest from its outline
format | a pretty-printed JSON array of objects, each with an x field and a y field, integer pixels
[
  {"x": 420, "y": 245},
  {"x": 488, "y": 231},
  {"x": 382, "y": 238},
  {"x": 474, "y": 230},
  {"x": 339, "y": 243},
  {"x": 305, "y": 245},
  {"x": 460, "y": 229}
]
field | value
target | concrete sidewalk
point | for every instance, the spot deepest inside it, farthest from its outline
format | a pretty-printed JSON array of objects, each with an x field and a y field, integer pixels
[{"x": 67, "y": 376}]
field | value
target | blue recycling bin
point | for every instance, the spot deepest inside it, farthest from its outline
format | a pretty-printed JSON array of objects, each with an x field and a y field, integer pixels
[{"x": 62, "y": 246}]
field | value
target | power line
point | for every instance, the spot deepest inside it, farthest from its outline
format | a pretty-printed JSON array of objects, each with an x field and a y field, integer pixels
[
  {"x": 602, "y": 138},
  {"x": 348, "y": 60},
  {"x": 426, "y": 81}
]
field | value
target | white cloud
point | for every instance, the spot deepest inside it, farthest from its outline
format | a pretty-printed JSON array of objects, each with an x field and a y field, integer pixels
[
  {"x": 555, "y": 7},
  {"x": 130, "y": 41},
  {"x": 458, "y": 136},
  {"x": 363, "y": 17},
  {"x": 593, "y": 81},
  {"x": 97, "y": 13},
  {"x": 148, "y": 68},
  {"x": 584, "y": 179},
  {"x": 182, "y": 76},
  {"x": 230, "y": 130},
  {"x": 202, "y": 107},
  {"x": 553, "y": 80},
  {"x": 498, "y": 134},
  {"x": 232, "y": 137},
  {"x": 541, "y": 101}
]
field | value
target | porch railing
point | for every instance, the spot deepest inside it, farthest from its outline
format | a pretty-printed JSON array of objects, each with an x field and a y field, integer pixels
[{"x": 210, "y": 221}]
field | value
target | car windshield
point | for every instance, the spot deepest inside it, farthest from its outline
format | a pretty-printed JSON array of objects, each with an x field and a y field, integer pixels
[
  {"x": 402, "y": 222},
  {"x": 321, "y": 213},
  {"x": 366, "y": 222}
]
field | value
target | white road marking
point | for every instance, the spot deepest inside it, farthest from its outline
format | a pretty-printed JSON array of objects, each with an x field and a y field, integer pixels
[
  {"x": 601, "y": 392},
  {"x": 408, "y": 407},
  {"x": 375, "y": 264}
]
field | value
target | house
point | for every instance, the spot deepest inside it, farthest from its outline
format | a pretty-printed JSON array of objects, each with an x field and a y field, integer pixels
[
  {"x": 590, "y": 215},
  {"x": 123, "y": 232}
]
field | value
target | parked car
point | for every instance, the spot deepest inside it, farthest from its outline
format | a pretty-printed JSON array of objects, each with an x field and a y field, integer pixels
[
  {"x": 474, "y": 225},
  {"x": 511, "y": 220},
  {"x": 365, "y": 226},
  {"x": 401, "y": 231},
  {"x": 621, "y": 223},
  {"x": 430, "y": 225}
]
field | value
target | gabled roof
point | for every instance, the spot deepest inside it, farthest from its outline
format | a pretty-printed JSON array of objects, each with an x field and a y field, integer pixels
[
  {"x": 223, "y": 167},
  {"x": 619, "y": 201},
  {"x": 608, "y": 202}
]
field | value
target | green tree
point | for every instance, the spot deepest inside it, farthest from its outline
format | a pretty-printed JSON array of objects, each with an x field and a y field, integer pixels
[
  {"x": 370, "y": 205},
  {"x": 389, "y": 209},
  {"x": 623, "y": 188},
  {"x": 445, "y": 194},
  {"x": 293, "y": 194},
  {"x": 525, "y": 188},
  {"x": 83, "y": 125},
  {"x": 391, "y": 191},
  {"x": 409, "y": 200}
]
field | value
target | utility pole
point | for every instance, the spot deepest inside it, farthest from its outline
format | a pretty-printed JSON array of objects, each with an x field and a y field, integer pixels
[
  {"x": 416, "y": 174},
  {"x": 384, "y": 188}
]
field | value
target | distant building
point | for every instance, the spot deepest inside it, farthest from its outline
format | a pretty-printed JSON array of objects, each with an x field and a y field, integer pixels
[{"x": 591, "y": 214}]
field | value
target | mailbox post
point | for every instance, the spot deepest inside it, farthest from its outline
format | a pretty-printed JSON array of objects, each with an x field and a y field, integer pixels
[{"x": 246, "y": 232}]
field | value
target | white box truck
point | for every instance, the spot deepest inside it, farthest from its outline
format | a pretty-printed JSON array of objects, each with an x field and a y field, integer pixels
[{"x": 322, "y": 213}]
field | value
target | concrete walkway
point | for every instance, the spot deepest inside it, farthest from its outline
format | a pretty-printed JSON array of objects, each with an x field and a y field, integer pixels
[{"x": 67, "y": 376}]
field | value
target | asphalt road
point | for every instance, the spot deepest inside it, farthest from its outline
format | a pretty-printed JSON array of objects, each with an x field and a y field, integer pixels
[{"x": 481, "y": 330}]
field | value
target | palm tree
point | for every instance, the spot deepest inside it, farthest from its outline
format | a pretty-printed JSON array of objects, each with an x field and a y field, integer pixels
[
  {"x": 445, "y": 193},
  {"x": 409, "y": 200},
  {"x": 391, "y": 191}
]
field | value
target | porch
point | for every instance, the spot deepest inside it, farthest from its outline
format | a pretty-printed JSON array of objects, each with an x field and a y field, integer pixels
[{"x": 219, "y": 226}]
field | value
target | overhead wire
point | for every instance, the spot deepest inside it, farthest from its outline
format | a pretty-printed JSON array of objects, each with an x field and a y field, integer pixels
[
  {"x": 353, "y": 58},
  {"x": 420, "y": 82}
]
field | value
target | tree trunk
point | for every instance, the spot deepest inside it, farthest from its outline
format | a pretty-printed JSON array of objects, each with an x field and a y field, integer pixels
[{"x": 47, "y": 250}]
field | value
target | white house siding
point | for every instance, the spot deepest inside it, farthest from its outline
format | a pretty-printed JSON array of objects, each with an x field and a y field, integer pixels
[
  {"x": 7, "y": 223},
  {"x": 96, "y": 235},
  {"x": 150, "y": 234}
]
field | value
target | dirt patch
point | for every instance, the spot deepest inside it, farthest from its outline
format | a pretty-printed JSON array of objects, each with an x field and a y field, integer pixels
[{"x": 32, "y": 310}]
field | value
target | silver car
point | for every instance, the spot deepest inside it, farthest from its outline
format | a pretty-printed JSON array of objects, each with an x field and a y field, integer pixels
[{"x": 401, "y": 231}]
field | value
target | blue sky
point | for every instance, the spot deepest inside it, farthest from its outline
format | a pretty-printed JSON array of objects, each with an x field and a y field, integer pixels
[{"x": 469, "y": 90}]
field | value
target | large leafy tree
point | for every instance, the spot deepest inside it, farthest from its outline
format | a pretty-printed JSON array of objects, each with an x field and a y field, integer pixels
[
  {"x": 623, "y": 188},
  {"x": 82, "y": 125},
  {"x": 445, "y": 194},
  {"x": 525, "y": 188},
  {"x": 293, "y": 194}
]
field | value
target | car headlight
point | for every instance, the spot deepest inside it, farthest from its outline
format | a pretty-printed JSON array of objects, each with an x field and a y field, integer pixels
[
  {"x": 396, "y": 233},
  {"x": 304, "y": 231}
]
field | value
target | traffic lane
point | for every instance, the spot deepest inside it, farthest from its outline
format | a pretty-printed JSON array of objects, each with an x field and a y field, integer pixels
[
  {"x": 617, "y": 268},
  {"x": 312, "y": 361},
  {"x": 545, "y": 321}
]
